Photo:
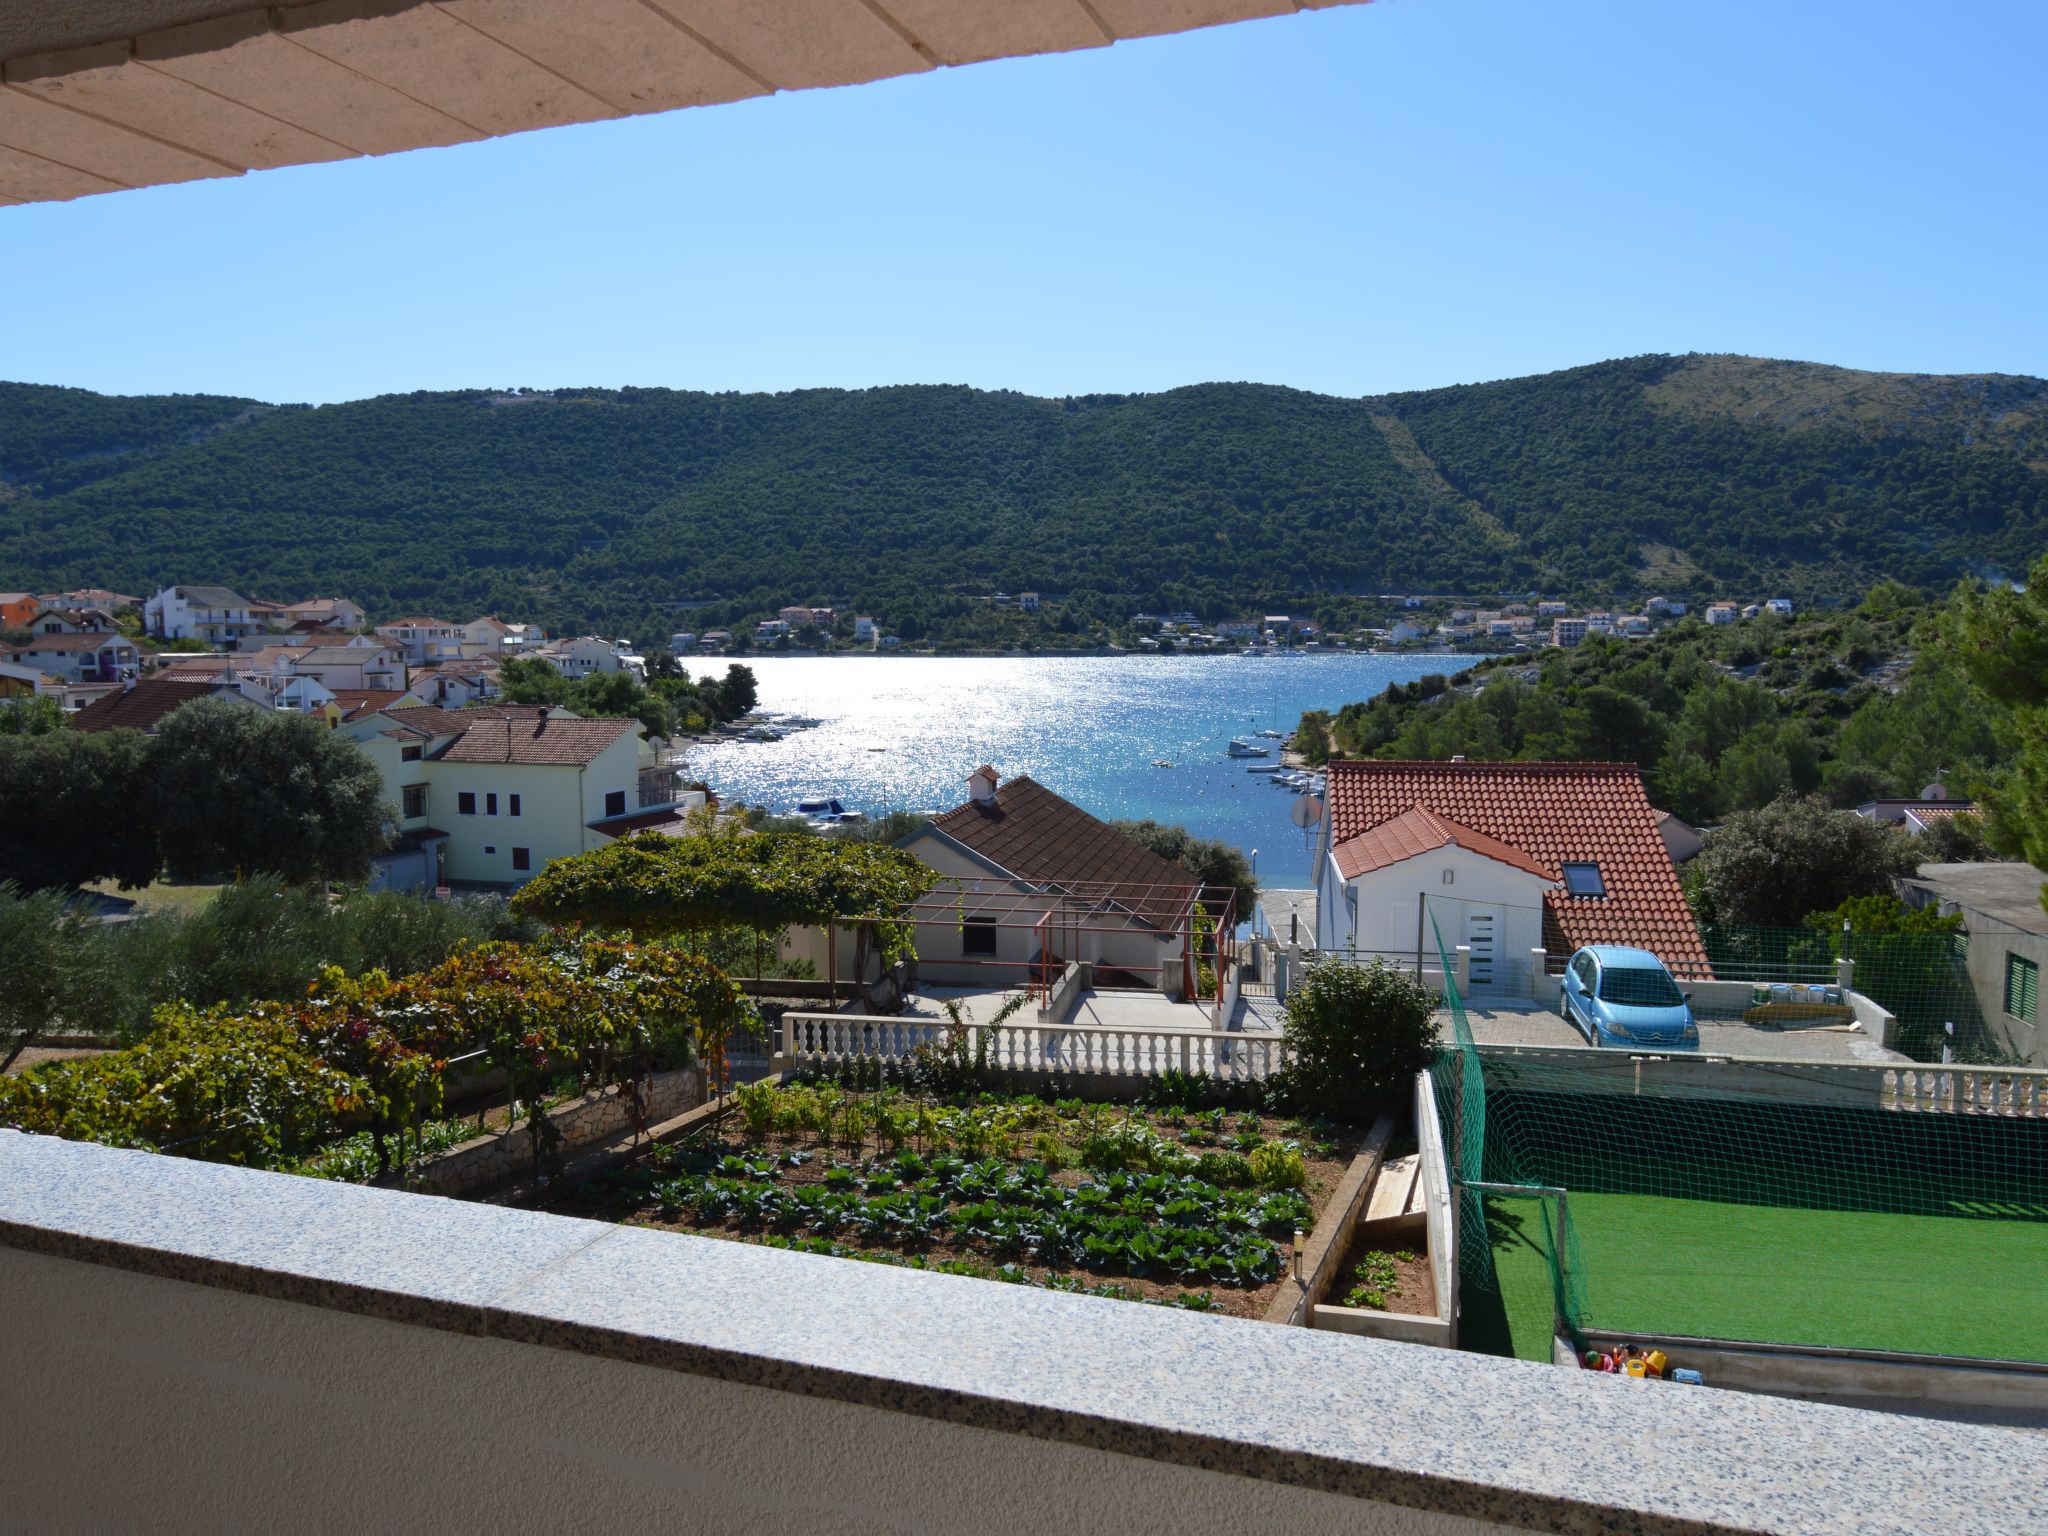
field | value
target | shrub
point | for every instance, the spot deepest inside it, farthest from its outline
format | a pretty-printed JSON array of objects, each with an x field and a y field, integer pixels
[
  {"x": 1768, "y": 868},
  {"x": 1278, "y": 1165},
  {"x": 1357, "y": 1036},
  {"x": 1227, "y": 1170}
]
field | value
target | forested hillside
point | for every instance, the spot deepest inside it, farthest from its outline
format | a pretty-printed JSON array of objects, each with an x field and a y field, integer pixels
[
  {"x": 1850, "y": 705},
  {"x": 606, "y": 508}
]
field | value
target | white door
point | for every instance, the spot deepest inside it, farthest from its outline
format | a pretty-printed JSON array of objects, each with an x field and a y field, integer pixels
[{"x": 1482, "y": 932}]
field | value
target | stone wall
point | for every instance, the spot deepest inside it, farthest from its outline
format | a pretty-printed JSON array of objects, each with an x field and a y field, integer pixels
[{"x": 508, "y": 1153}]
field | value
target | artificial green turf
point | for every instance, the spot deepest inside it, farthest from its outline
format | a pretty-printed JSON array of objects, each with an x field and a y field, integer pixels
[{"x": 1937, "y": 1285}]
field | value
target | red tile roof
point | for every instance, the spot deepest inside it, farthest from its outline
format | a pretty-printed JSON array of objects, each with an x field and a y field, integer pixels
[
  {"x": 1417, "y": 830},
  {"x": 96, "y": 641},
  {"x": 531, "y": 739},
  {"x": 357, "y": 702},
  {"x": 141, "y": 708},
  {"x": 1554, "y": 813},
  {"x": 1033, "y": 833}
]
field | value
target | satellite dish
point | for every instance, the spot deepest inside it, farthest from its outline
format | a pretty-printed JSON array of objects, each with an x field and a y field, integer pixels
[
  {"x": 1935, "y": 791},
  {"x": 1307, "y": 811}
]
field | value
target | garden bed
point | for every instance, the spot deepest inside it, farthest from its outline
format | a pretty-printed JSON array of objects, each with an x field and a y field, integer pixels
[
  {"x": 1161, "y": 1204},
  {"x": 1387, "y": 1274}
]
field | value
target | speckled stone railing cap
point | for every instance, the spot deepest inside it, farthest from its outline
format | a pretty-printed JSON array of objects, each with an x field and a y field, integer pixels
[{"x": 1498, "y": 1440}]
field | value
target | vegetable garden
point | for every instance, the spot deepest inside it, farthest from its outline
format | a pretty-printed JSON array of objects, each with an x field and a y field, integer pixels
[{"x": 1162, "y": 1203}]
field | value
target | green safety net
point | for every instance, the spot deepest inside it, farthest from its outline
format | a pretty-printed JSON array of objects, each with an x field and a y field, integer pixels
[{"x": 1764, "y": 1200}]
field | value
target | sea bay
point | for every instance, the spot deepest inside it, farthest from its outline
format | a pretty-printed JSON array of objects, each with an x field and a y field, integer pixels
[{"x": 902, "y": 733}]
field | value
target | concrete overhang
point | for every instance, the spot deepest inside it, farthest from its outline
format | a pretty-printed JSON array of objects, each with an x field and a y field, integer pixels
[{"x": 105, "y": 95}]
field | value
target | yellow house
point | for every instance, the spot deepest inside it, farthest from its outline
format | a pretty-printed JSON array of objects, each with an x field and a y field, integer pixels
[{"x": 487, "y": 796}]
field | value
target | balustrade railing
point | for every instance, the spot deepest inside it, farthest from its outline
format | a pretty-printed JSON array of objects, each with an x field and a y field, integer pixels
[
  {"x": 1066, "y": 1050},
  {"x": 2020, "y": 1092},
  {"x": 1910, "y": 1087}
]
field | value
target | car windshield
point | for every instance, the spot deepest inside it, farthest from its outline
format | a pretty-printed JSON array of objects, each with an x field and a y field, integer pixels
[{"x": 1639, "y": 987}]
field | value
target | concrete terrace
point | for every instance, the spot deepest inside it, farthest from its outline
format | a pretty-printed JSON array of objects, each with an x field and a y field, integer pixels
[
  {"x": 1100, "y": 1008},
  {"x": 1528, "y": 1023}
]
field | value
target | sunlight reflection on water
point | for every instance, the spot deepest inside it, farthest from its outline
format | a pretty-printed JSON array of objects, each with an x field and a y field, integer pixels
[{"x": 1089, "y": 727}]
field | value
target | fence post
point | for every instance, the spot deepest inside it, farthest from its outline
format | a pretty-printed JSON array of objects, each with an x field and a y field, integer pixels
[
  {"x": 1539, "y": 971},
  {"x": 1845, "y": 974}
]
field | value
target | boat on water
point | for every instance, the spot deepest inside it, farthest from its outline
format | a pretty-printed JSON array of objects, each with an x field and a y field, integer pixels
[
  {"x": 1160, "y": 762},
  {"x": 1274, "y": 735},
  {"x": 827, "y": 810},
  {"x": 1265, "y": 768},
  {"x": 1240, "y": 747}
]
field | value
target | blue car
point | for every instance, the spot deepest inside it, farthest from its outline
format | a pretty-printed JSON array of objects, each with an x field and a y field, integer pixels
[{"x": 1615, "y": 995}]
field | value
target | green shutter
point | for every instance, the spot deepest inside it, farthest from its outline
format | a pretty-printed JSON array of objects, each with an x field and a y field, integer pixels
[{"x": 2022, "y": 987}]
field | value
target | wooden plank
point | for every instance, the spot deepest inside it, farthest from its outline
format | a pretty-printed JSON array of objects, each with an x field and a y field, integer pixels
[{"x": 1395, "y": 1188}]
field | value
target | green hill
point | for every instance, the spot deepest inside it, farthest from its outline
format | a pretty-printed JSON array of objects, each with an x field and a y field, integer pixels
[
  {"x": 1850, "y": 705},
  {"x": 608, "y": 507}
]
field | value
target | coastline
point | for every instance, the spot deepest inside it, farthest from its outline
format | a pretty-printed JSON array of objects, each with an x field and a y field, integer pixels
[{"x": 746, "y": 658}]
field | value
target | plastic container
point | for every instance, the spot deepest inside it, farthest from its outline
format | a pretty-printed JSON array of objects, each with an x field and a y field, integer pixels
[
  {"x": 1635, "y": 1368},
  {"x": 1657, "y": 1362},
  {"x": 1686, "y": 1378}
]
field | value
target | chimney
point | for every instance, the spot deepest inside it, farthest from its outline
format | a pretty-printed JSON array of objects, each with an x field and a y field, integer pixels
[{"x": 981, "y": 785}]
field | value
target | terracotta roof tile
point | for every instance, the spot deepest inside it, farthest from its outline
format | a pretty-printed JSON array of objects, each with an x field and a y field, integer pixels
[
  {"x": 1554, "y": 813},
  {"x": 1417, "y": 830},
  {"x": 497, "y": 738},
  {"x": 356, "y": 702},
  {"x": 71, "y": 642},
  {"x": 1033, "y": 833},
  {"x": 141, "y": 708}
]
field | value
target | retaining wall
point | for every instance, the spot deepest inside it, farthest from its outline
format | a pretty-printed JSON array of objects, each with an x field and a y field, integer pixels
[{"x": 501, "y": 1155}]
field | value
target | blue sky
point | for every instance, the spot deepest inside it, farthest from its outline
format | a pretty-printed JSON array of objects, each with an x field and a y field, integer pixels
[{"x": 1394, "y": 196}]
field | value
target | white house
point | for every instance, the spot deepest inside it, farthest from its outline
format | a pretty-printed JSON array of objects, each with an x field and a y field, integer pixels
[
  {"x": 218, "y": 615},
  {"x": 338, "y": 667},
  {"x": 456, "y": 683},
  {"x": 1405, "y": 630},
  {"x": 1721, "y": 613},
  {"x": 422, "y": 639},
  {"x": 92, "y": 597},
  {"x": 1567, "y": 632},
  {"x": 73, "y": 656},
  {"x": 320, "y": 612},
  {"x": 1027, "y": 602},
  {"x": 302, "y": 695},
  {"x": 1503, "y": 859},
  {"x": 863, "y": 631},
  {"x": 493, "y": 634},
  {"x": 1032, "y": 879},
  {"x": 1782, "y": 606},
  {"x": 588, "y": 654}
]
